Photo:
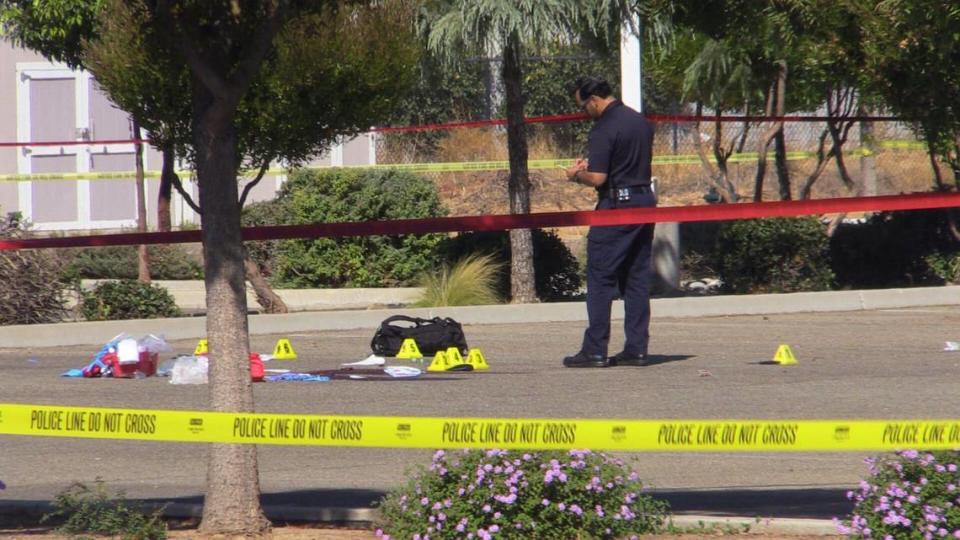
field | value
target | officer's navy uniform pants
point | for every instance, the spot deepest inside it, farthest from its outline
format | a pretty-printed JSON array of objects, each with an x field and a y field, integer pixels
[{"x": 619, "y": 264}]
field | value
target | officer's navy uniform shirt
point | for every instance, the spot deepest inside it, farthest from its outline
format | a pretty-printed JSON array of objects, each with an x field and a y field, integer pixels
[
  {"x": 620, "y": 146},
  {"x": 618, "y": 256}
]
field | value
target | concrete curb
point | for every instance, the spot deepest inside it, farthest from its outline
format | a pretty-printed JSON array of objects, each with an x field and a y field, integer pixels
[
  {"x": 191, "y": 296},
  {"x": 743, "y": 524},
  {"x": 93, "y": 333}
]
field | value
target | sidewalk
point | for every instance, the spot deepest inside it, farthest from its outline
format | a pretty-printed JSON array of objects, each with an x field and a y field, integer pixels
[{"x": 91, "y": 333}]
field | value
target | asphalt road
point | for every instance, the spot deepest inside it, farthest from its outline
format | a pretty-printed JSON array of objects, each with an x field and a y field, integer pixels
[{"x": 867, "y": 364}]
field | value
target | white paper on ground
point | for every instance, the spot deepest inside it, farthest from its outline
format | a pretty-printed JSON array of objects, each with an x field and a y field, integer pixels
[
  {"x": 952, "y": 346},
  {"x": 402, "y": 371},
  {"x": 372, "y": 360}
]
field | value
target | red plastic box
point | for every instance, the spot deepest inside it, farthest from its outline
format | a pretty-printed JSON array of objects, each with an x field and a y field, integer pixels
[
  {"x": 146, "y": 365},
  {"x": 256, "y": 367}
]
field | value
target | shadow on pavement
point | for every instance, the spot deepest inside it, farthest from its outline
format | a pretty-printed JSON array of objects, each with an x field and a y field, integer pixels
[
  {"x": 353, "y": 505},
  {"x": 807, "y": 503},
  {"x": 655, "y": 359}
]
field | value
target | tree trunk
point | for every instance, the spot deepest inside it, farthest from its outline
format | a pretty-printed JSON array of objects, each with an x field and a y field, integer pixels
[
  {"x": 822, "y": 160},
  {"x": 143, "y": 256},
  {"x": 775, "y": 105},
  {"x": 232, "y": 500},
  {"x": 166, "y": 188},
  {"x": 868, "y": 156},
  {"x": 522, "y": 284},
  {"x": 715, "y": 175},
  {"x": 268, "y": 300},
  {"x": 783, "y": 172},
  {"x": 937, "y": 173}
]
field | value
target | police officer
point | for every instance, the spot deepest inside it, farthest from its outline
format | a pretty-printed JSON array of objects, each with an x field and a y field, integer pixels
[{"x": 619, "y": 155}]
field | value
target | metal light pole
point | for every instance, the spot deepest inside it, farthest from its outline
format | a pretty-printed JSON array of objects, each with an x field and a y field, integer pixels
[{"x": 666, "y": 241}]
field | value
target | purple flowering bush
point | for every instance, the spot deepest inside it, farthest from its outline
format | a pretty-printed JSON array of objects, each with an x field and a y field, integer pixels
[
  {"x": 514, "y": 494},
  {"x": 910, "y": 494}
]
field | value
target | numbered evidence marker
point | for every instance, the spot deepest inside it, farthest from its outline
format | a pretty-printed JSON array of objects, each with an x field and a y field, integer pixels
[
  {"x": 444, "y": 361},
  {"x": 409, "y": 350},
  {"x": 475, "y": 358},
  {"x": 784, "y": 356},
  {"x": 284, "y": 350}
]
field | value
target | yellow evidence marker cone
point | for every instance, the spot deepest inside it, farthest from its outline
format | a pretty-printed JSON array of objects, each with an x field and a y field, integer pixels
[
  {"x": 439, "y": 363},
  {"x": 201, "y": 348},
  {"x": 409, "y": 350},
  {"x": 476, "y": 359},
  {"x": 784, "y": 356},
  {"x": 454, "y": 358},
  {"x": 284, "y": 350}
]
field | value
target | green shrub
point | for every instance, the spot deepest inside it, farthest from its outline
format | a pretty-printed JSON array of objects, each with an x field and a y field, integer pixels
[
  {"x": 127, "y": 299},
  {"x": 85, "y": 511},
  {"x": 120, "y": 262},
  {"x": 471, "y": 281},
  {"x": 339, "y": 195},
  {"x": 511, "y": 494},
  {"x": 557, "y": 272},
  {"x": 33, "y": 287},
  {"x": 774, "y": 255},
  {"x": 891, "y": 249},
  {"x": 908, "y": 495},
  {"x": 946, "y": 266}
]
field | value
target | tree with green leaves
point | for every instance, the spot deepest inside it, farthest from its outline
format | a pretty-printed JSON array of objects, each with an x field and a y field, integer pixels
[
  {"x": 747, "y": 56},
  {"x": 830, "y": 72},
  {"x": 262, "y": 81},
  {"x": 913, "y": 49},
  {"x": 54, "y": 28},
  {"x": 456, "y": 29},
  {"x": 268, "y": 80}
]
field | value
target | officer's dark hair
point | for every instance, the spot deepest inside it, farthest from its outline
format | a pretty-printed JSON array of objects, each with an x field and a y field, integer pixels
[{"x": 592, "y": 86}]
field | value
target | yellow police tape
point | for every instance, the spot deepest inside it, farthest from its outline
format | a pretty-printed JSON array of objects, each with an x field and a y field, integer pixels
[
  {"x": 418, "y": 432},
  {"x": 469, "y": 166}
]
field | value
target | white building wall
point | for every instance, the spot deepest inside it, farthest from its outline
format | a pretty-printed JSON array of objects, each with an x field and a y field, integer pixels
[{"x": 45, "y": 102}]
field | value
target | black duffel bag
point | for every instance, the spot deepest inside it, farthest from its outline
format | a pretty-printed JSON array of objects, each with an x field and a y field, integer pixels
[{"x": 431, "y": 335}]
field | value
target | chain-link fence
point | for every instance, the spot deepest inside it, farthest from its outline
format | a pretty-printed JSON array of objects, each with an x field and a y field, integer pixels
[{"x": 691, "y": 159}]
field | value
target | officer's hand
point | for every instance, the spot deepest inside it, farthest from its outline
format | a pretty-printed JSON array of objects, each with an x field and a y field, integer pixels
[{"x": 578, "y": 165}]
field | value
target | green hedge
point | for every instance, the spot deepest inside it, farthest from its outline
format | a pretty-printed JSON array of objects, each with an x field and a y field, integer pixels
[
  {"x": 895, "y": 249},
  {"x": 127, "y": 299},
  {"x": 344, "y": 195},
  {"x": 167, "y": 262},
  {"x": 774, "y": 255}
]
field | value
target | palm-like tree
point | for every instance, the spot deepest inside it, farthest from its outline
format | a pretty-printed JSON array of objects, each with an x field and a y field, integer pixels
[{"x": 455, "y": 28}]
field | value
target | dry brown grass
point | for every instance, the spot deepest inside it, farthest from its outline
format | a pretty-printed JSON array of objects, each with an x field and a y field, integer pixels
[{"x": 485, "y": 192}]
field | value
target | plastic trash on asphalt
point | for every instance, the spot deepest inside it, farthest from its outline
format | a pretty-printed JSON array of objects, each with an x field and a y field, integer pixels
[{"x": 189, "y": 370}]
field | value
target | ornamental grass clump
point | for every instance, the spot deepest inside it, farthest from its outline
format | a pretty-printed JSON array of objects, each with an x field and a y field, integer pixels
[
  {"x": 910, "y": 494},
  {"x": 514, "y": 494}
]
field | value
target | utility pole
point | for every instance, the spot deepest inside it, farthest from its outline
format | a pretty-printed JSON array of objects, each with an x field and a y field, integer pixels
[{"x": 666, "y": 241}]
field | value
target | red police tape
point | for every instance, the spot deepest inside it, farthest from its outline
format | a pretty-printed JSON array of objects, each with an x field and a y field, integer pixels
[{"x": 625, "y": 216}]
